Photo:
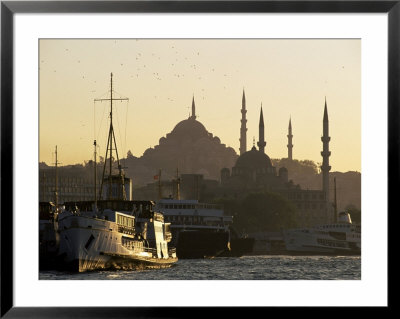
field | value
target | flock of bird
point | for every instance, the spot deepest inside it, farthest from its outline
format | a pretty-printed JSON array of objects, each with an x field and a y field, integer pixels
[{"x": 181, "y": 68}]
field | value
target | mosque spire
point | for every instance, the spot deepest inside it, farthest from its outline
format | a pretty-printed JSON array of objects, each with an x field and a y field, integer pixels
[
  {"x": 193, "y": 109},
  {"x": 261, "y": 142},
  {"x": 325, "y": 112},
  {"x": 290, "y": 136},
  {"x": 325, "y": 168},
  {"x": 243, "y": 128}
]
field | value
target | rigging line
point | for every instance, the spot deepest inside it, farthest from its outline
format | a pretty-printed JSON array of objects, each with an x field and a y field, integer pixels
[
  {"x": 104, "y": 94},
  {"x": 119, "y": 129},
  {"x": 94, "y": 120},
  {"x": 123, "y": 141},
  {"x": 126, "y": 123},
  {"x": 102, "y": 117},
  {"x": 120, "y": 95}
]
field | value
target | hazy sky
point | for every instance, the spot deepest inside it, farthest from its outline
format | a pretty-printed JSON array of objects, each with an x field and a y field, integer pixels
[{"x": 291, "y": 78}]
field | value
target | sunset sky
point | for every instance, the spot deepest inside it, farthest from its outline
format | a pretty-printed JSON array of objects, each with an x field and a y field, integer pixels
[{"x": 291, "y": 78}]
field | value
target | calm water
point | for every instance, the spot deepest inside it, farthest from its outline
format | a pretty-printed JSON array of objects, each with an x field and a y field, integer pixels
[{"x": 245, "y": 268}]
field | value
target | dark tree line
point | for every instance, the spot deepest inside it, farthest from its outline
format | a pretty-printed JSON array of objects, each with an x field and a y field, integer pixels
[{"x": 262, "y": 211}]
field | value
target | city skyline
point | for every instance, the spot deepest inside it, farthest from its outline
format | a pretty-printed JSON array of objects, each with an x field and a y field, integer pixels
[{"x": 160, "y": 78}]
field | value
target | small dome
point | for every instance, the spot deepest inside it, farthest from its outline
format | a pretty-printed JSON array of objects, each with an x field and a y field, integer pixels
[
  {"x": 254, "y": 159},
  {"x": 217, "y": 140}
]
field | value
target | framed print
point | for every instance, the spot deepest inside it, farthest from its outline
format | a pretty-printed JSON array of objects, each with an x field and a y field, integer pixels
[{"x": 196, "y": 154}]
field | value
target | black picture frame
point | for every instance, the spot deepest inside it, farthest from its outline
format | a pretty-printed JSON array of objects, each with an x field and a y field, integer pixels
[{"x": 9, "y": 8}]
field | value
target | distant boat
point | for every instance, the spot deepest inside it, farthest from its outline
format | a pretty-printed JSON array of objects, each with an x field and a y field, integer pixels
[
  {"x": 49, "y": 239},
  {"x": 199, "y": 230},
  {"x": 48, "y": 235},
  {"x": 341, "y": 238}
]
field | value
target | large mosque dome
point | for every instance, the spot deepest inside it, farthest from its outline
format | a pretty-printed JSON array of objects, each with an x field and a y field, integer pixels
[
  {"x": 190, "y": 128},
  {"x": 190, "y": 148}
]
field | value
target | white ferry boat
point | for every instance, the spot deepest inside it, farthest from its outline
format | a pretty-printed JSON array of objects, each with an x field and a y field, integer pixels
[
  {"x": 342, "y": 237},
  {"x": 118, "y": 235},
  {"x": 199, "y": 230}
]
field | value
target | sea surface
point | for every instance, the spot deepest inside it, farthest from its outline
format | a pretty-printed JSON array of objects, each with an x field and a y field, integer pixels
[{"x": 234, "y": 268}]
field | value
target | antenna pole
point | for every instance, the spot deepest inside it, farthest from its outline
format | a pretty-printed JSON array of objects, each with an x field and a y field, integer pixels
[
  {"x": 95, "y": 175},
  {"x": 159, "y": 184},
  {"x": 178, "y": 196},
  {"x": 56, "y": 188},
  {"x": 111, "y": 130}
]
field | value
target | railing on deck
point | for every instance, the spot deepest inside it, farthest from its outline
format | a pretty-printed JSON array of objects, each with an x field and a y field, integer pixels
[{"x": 126, "y": 230}]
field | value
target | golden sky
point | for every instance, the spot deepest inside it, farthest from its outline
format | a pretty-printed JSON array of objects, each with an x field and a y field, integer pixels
[{"x": 291, "y": 78}]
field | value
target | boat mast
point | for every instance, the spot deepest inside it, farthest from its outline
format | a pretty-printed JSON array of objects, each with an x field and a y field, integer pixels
[
  {"x": 335, "y": 205},
  {"x": 56, "y": 180},
  {"x": 111, "y": 128},
  {"x": 159, "y": 184},
  {"x": 95, "y": 175},
  {"x": 111, "y": 139}
]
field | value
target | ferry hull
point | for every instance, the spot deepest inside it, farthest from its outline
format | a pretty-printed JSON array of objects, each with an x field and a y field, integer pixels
[
  {"x": 114, "y": 263},
  {"x": 87, "y": 244},
  {"x": 318, "y": 252}
]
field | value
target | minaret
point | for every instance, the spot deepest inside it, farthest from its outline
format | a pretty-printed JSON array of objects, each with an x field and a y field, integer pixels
[
  {"x": 261, "y": 143},
  {"x": 290, "y": 145},
  {"x": 325, "y": 168},
  {"x": 243, "y": 129},
  {"x": 193, "y": 109}
]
